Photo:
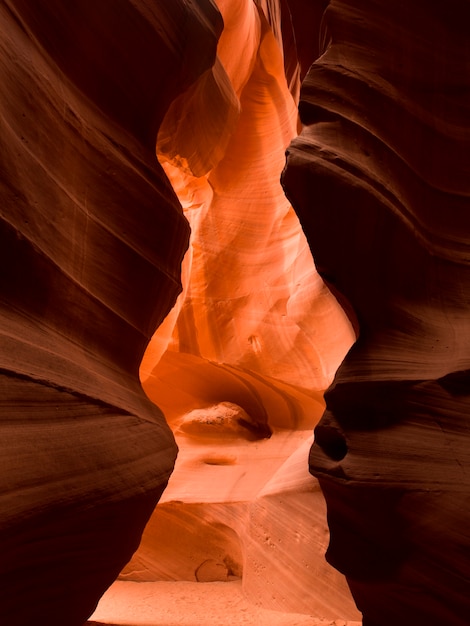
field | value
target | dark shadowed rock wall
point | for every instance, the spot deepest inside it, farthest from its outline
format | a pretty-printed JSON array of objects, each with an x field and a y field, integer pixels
[
  {"x": 92, "y": 238},
  {"x": 380, "y": 178}
]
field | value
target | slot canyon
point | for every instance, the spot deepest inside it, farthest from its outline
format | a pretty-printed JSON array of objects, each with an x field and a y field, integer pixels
[{"x": 235, "y": 313}]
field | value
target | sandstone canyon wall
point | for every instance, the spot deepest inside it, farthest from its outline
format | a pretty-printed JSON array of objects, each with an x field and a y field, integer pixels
[
  {"x": 380, "y": 178},
  {"x": 92, "y": 238},
  {"x": 240, "y": 364}
]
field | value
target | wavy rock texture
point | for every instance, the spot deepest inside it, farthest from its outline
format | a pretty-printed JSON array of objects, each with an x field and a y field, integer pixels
[
  {"x": 240, "y": 363},
  {"x": 92, "y": 238},
  {"x": 380, "y": 180},
  {"x": 253, "y": 305}
]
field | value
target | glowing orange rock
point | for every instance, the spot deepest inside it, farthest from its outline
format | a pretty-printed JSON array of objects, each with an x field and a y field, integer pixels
[
  {"x": 240, "y": 363},
  {"x": 253, "y": 304}
]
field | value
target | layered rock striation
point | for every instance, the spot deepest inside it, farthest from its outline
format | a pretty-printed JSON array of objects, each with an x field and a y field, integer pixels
[
  {"x": 240, "y": 364},
  {"x": 379, "y": 177},
  {"x": 92, "y": 237},
  {"x": 92, "y": 242}
]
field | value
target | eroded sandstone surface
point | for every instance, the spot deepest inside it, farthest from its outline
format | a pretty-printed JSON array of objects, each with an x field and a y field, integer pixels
[
  {"x": 93, "y": 235},
  {"x": 379, "y": 177},
  {"x": 239, "y": 365},
  {"x": 92, "y": 238}
]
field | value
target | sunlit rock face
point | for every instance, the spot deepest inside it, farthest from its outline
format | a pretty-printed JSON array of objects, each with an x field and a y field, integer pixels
[
  {"x": 240, "y": 363},
  {"x": 380, "y": 180},
  {"x": 92, "y": 237}
]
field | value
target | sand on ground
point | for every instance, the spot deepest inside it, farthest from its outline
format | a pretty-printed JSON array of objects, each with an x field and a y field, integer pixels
[{"x": 192, "y": 604}]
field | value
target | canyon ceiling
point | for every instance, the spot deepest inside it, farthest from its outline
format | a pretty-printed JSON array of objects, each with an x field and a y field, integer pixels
[{"x": 158, "y": 291}]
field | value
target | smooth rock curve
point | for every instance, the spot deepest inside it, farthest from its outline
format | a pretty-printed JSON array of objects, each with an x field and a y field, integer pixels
[
  {"x": 379, "y": 177},
  {"x": 92, "y": 237}
]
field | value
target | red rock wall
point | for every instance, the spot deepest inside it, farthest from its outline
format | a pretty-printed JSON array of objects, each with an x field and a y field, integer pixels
[
  {"x": 92, "y": 238},
  {"x": 380, "y": 180}
]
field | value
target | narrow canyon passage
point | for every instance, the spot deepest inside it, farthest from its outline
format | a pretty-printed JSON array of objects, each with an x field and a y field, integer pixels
[
  {"x": 240, "y": 364},
  {"x": 168, "y": 172}
]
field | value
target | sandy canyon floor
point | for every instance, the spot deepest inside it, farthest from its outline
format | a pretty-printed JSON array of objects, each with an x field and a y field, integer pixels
[{"x": 192, "y": 604}]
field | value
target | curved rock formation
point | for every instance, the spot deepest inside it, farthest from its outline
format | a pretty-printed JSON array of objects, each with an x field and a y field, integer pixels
[
  {"x": 380, "y": 180},
  {"x": 240, "y": 364},
  {"x": 254, "y": 319},
  {"x": 92, "y": 238}
]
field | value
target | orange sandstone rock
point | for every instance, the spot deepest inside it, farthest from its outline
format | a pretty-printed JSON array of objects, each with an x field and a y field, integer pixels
[{"x": 240, "y": 364}]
